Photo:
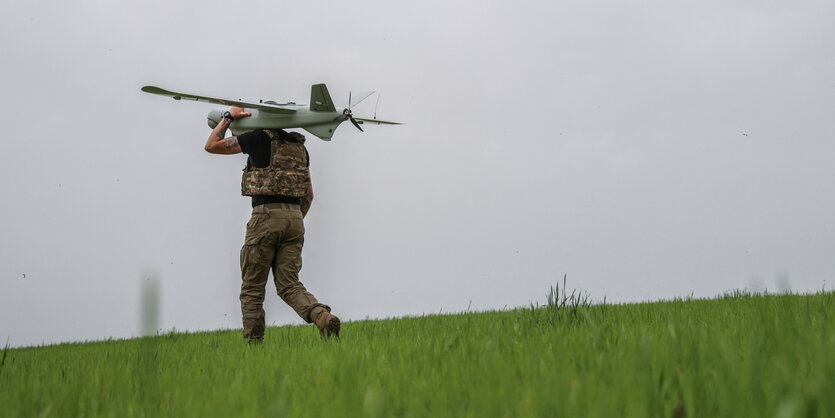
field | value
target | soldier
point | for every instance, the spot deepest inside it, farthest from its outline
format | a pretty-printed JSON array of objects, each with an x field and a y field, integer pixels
[{"x": 277, "y": 177}]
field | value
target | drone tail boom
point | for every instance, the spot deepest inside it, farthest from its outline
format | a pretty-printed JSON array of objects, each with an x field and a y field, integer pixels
[{"x": 324, "y": 132}]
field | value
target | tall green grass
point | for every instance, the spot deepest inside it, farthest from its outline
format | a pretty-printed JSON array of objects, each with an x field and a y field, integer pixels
[{"x": 739, "y": 355}]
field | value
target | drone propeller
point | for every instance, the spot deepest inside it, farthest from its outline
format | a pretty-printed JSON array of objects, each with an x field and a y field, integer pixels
[
  {"x": 352, "y": 101},
  {"x": 346, "y": 113},
  {"x": 354, "y": 121}
]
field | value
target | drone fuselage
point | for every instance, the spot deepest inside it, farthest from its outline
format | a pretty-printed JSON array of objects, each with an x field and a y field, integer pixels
[{"x": 321, "y": 124}]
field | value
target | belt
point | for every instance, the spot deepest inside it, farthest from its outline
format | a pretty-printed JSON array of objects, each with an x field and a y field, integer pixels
[{"x": 267, "y": 207}]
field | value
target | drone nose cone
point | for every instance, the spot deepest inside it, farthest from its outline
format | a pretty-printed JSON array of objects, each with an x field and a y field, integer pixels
[{"x": 214, "y": 117}]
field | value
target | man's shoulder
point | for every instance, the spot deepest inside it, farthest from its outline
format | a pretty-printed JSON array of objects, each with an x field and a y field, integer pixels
[{"x": 295, "y": 137}]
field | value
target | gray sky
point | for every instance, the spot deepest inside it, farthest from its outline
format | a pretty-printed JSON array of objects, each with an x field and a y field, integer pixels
[{"x": 646, "y": 149}]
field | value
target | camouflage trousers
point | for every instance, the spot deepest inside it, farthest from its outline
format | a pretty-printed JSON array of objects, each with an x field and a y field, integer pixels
[{"x": 274, "y": 239}]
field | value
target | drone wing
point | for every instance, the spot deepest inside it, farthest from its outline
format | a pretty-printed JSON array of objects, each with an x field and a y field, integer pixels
[{"x": 179, "y": 96}]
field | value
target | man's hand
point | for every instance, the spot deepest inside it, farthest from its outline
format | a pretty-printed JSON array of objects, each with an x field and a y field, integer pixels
[
  {"x": 217, "y": 144},
  {"x": 238, "y": 112}
]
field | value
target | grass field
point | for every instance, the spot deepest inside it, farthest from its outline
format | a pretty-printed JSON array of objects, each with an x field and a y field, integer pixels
[{"x": 741, "y": 355}]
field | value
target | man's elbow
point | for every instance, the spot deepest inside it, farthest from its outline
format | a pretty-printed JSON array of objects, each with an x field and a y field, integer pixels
[{"x": 210, "y": 149}]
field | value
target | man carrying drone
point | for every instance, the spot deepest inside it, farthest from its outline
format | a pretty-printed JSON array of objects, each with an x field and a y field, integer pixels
[{"x": 277, "y": 177}]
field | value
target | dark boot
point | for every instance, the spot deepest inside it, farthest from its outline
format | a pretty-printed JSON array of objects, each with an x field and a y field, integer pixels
[{"x": 328, "y": 324}]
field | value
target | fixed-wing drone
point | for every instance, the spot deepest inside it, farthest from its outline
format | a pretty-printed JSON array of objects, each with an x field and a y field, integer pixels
[{"x": 320, "y": 118}]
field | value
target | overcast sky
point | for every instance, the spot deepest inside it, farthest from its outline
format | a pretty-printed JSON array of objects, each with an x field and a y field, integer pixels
[{"x": 647, "y": 150}]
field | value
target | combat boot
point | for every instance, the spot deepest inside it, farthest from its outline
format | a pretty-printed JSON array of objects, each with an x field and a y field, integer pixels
[{"x": 328, "y": 324}]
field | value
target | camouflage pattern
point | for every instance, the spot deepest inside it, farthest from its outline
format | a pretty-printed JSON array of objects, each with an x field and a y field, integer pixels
[
  {"x": 287, "y": 174},
  {"x": 274, "y": 239}
]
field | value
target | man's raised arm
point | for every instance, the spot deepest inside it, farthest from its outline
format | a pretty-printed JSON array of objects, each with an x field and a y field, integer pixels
[{"x": 218, "y": 143}]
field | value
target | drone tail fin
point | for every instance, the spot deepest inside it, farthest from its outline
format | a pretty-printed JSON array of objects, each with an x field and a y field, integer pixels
[{"x": 320, "y": 99}]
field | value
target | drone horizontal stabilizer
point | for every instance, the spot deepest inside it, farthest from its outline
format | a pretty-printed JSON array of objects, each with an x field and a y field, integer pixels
[
  {"x": 377, "y": 121},
  {"x": 179, "y": 96}
]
